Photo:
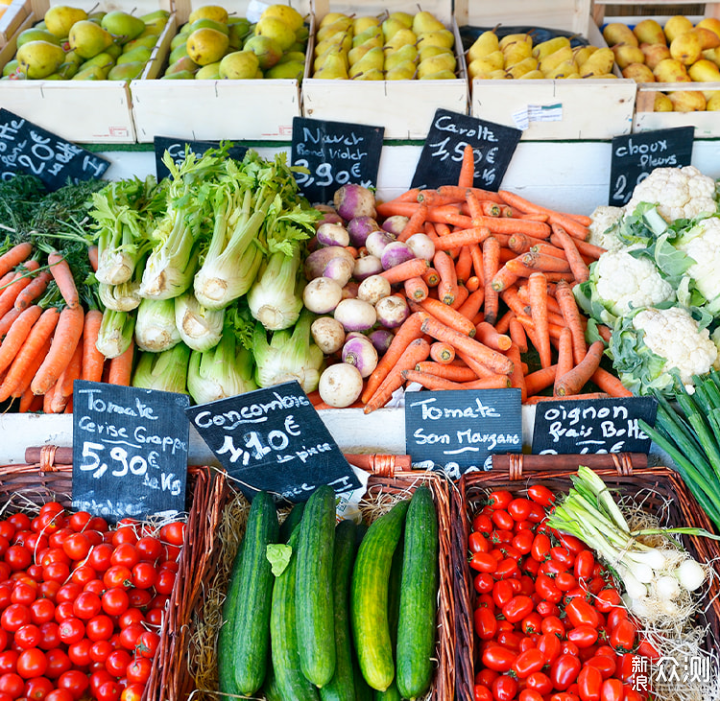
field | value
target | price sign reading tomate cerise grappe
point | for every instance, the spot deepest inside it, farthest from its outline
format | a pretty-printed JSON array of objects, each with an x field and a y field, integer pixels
[
  {"x": 635, "y": 156},
  {"x": 176, "y": 149},
  {"x": 130, "y": 450},
  {"x": 273, "y": 439},
  {"x": 442, "y": 155},
  {"x": 335, "y": 154},
  {"x": 598, "y": 426},
  {"x": 26, "y": 148}
]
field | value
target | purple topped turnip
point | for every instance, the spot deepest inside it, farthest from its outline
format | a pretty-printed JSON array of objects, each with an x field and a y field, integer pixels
[
  {"x": 422, "y": 246},
  {"x": 332, "y": 234},
  {"x": 322, "y": 295},
  {"x": 317, "y": 261},
  {"x": 395, "y": 253},
  {"x": 376, "y": 242},
  {"x": 350, "y": 291},
  {"x": 355, "y": 315},
  {"x": 381, "y": 339},
  {"x": 365, "y": 266},
  {"x": 392, "y": 311},
  {"x": 372, "y": 289},
  {"x": 359, "y": 228},
  {"x": 340, "y": 385},
  {"x": 328, "y": 334},
  {"x": 353, "y": 201},
  {"x": 395, "y": 224},
  {"x": 361, "y": 353}
]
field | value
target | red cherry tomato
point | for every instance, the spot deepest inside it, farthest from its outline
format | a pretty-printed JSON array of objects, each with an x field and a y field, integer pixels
[
  {"x": 165, "y": 582},
  {"x": 485, "y": 624},
  {"x": 517, "y": 608},
  {"x": 14, "y": 617},
  {"x": 18, "y": 557},
  {"x": 12, "y": 684},
  {"x": 132, "y": 692},
  {"x": 583, "y": 636},
  {"x": 31, "y": 663},
  {"x": 539, "y": 682},
  {"x": 86, "y": 605},
  {"x": 483, "y": 562},
  {"x": 498, "y": 658},
  {"x": 504, "y": 688},
  {"x": 564, "y": 671},
  {"x": 527, "y": 662},
  {"x": 174, "y": 533},
  {"x": 541, "y": 546},
  {"x": 482, "y": 524},
  {"x": 117, "y": 662},
  {"x": 604, "y": 663},
  {"x": 37, "y": 689},
  {"x": 115, "y": 601},
  {"x": 72, "y": 630},
  {"x": 27, "y": 637},
  {"x": 612, "y": 690},
  {"x": 130, "y": 635},
  {"x": 499, "y": 499},
  {"x": 581, "y": 613},
  {"x": 483, "y": 583},
  {"x": 74, "y": 682},
  {"x": 77, "y": 546},
  {"x": 57, "y": 663},
  {"x": 482, "y": 693},
  {"x": 138, "y": 671},
  {"x": 100, "y": 627},
  {"x": 541, "y": 495},
  {"x": 147, "y": 644},
  {"x": 622, "y": 637}
]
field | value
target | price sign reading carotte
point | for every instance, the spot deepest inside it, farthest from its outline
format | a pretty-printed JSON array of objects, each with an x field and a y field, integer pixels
[
  {"x": 176, "y": 149},
  {"x": 335, "y": 154},
  {"x": 26, "y": 148},
  {"x": 273, "y": 439},
  {"x": 130, "y": 450}
]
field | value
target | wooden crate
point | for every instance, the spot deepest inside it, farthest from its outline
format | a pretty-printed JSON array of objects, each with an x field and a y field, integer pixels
[
  {"x": 404, "y": 107},
  {"x": 583, "y": 109},
  {"x": 707, "y": 124},
  {"x": 213, "y": 109},
  {"x": 15, "y": 14}
]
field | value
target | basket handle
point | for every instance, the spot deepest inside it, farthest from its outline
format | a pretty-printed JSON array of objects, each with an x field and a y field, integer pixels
[
  {"x": 380, "y": 464},
  {"x": 519, "y": 465},
  {"x": 48, "y": 457}
]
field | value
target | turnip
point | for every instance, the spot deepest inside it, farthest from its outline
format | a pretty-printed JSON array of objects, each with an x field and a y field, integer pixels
[
  {"x": 359, "y": 228},
  {"x": 350, "y": 291},
  {"x": 330, "y": 216},
  {"x": 322, "y": 295},
  {"x": 365, "y": 266},
  {"x": 340, "y": 385},
  {"x": 392, "y": 311},
  {"x": 316, "y": 262},
  {"x": 381, "y": 339},
  {"x": 355, "y": 315},
  {"x": 395, "y": 253},
  {"x": 395, "y": 224},
  {"x": 372, "y": 289},
  {"x": 339, "y": 269},
  {"x": 376, "y": 242},
  {"x": 360, "y": 352},
  {"x": 353, "y": 201},
  {"x": 332, "y": 234},
  {"x": 422, "y": 246},
  {"x": 328, "y": 334}
]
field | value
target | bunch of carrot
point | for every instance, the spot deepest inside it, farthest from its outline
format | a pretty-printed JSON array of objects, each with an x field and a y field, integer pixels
[
  {"x": 500, "y": 283},
  {"x": 47, "y": 341}
]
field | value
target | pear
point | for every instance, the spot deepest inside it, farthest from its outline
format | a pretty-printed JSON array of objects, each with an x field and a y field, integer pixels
[
  {"x": 686, "y": 48},
  {"x": 180, "y": 75},
  {"x": 333, "y": 54},
  {"x": 207, "y": 46},
  {"x": 675, "y": 26},
  {"x": 687, "y": 101},
  {"x": 522, "y": 67},
  {"x": 671, "y": 71},
  {"x": 638, "y": 72},
  {"x": 708, "y": 38},
  {"x": 654, "y": 53},
  {"x": 600, "y": 63},
  {"x": 291, "y": 70},
  {"x": 372, "y": 59},
  {"x": 441, "y": 37},
  {"x": 372, "y": 74},
  {"x": 354, "y": 55},
  {"x": 73, "y": 57},
  {"x": 89, "y": 39},
  {"x": 711, "y": 23},
  {"x": 562, "y": 70},
  {"x": 149, "y": 40},
  {"x": 103, "y": 61},
  {"x": 625, "y": 54},
  {"x": 34, "y": 34},
  {"x": 583, "y": 53},
  {"x": 485, "y": 44},
  {"x": 499, "y": 75},
  {"x": 362, "y": 24},
  {"x": 60, "y": 19},
  {"x": 66, "y": 70},
  {"x": 443, "y": 62},
  {"x": 219, "y": 14},
  {"x": 662, "y": 103},
  {"x": 155, "y": 27},
  {"x": 90, "y": 73},
  {"x": 266, "y": 49},
  {"x": 341, "y": 39},
  {"x": 11, "y": 67},
  {"x": 297, "y": 56},
  {"x": 425, "y": 22},
  {"x": 599, "y": 76},
  {"x": 535, "y": 75},
  {"x": 649, "y": 31},
  {"x": 712, "y": 55},
  {"x": 184, "y": 64},
  {"x": 394, "y": 23},
  {"x": 141, "y": 54},
  {"x": 126, "y": 71},
  {"x": 520, "y": 50},
  {"x": 619, "y": 33},
  {"x": 178, "y": 52},
  {"x": 342, "y": 25},
  {"x": 115, "y": 50},
  {"x": 404, "y": 71},
  {"x": 331, "y": 17},
  {"x": 513, "y": 38},
  {"x": 545, "y": 48},
  {"x": 237, "y": 32},
  {"x": 155, "y": 15},
  {"x": 38, "y": 59},
  {"x": 239, "y": 65},
  {"x": 400, "y": 39},
  {"x": 562, "y": 55},
  {"x": 207, "y": 23},
  {"x": 334, "y": 68},
  {"x": 209, "y": 72},
  {"x": 440, "y": 75},
  {"x": 704, "y": 71},
  {"x": 372, "y": 34},
  {"x": 122, "y": 25},
  {"x": 484, "y": 65},
  {"x": 427, "y": 51},
  {"x": 713, "y": 103},
  {"x": 405, "y": 53},
  {"x": 286, "y": 13}
]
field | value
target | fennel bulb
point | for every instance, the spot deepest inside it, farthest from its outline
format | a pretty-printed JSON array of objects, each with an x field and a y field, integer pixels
[
  {"x": 155, "y": 329},
  {"x": 166, "y": 371},
  {"x": 116, "y": 333},
  {"x": 199, "y": 328}
]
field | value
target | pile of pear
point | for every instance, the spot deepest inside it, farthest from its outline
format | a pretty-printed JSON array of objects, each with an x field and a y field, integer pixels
[
  {"x": 516, "y": 57},
  {"x": 70, "y": 44},
  {"x": 396, "y": 46},
  {"x": 213, "y": 45},
  {"x": 679, "y": 52}
]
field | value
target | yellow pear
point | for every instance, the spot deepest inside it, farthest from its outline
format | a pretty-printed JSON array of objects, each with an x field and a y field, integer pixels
[
  {"x": 208, "y": 46},
  {"x": 498, "y": 75},
  {"x": 443, "y": 62},
  {"x": 583, "y": 53},
  {"x": 215, "y": 12},
  {"x": 392, "y": 26},
  {"x": 708, "y": 38},
  {"x": 331, "y": 17},
  {"x": 625, "y": 54},
  {"x": 671, "y": 71},
  {"x": 561, "y": 71},
  {"x": 59, "y": 19},
  {"x": 286, "y": 13},
  {"x": 713, "y": 103},
  {"x": 404, "y": 71},
  {"x": 334, "y": 68},
  {"x": 239, "y": 65},
  {"x": 441, "y": 37},
  {"x": 662, "y": 103},
  {"x": 88, "y": 39},
  {"x": 687, "y": 101},
  {"x": 209, "y": 72},
  {"x": 519, "y": 69},
  {"x": 428, "y": 51},
  {"x": 290, "y": 70},
  {"x": 550, "y": 62},
  {"x": 440, "y": 75},
  {"x": 405, "y": 53},
  {"x": 711, "y": 23},
  {"x": 515, "y": 52},
  {"x": 372, "y": 59},
  {"x": 404, "y": 18},
  {"x": 276, "y": 29},
  {"x": 512, "y": 38},
  {"x": 90, "y": 73},
  {"x": 533, "y": 75},
  {"x": 600, "y": 63},
  {"x": 599, "y": 76},
  {"x": 654, "y": 53},
  {"x": 638, "y": 72},
  {"x": 373, "y": 35},
  {"x": 491, "y": 62},
  {"x": 344, "y": 24},
  {"x": 649, "y": 31},
  {"x": 712, "y": 55},
  {"x": 362, "y": 24},
  {"x": 545, "y": 48},
  {"x": 677, "y": 25},
  {"x": 425, "y": 22},
  {"x": 619, "y": 33},
  {"x": 686, "y": 48},
  {"x": 704, "y": 71},
  {"x": 372, "y": 74},
  {"x": 401, "y": 38},
  {"x": 333, "y": 54},
  {"x": 341, "y": 39},
  {"x": 39, "y": 59},
  {"x": 354, "y": 55},
  {"x": 487, "y": 43}
]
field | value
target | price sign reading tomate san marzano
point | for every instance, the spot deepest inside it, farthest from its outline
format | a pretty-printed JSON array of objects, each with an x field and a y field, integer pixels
[
  {"x": 273, "y": 439},
  {"x": 442, "y": 155},
  {"x": 130, "y": 450},
  {"x": 461, "y": 429},
  {"x": 635, "y": 156},
  {"x": 26, "y": 148},
  {"x": 176, "y": 149},
  {"x": 599, "y": 426},
  {"x": 335, "y": 154}
]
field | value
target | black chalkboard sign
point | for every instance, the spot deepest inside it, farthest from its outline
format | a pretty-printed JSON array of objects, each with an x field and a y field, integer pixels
[
  {"x": 273, "y": 439},
  {"x": 130, "y": 450},
  {"x": 442, "y": 154},
  {"x": 176, "y": 147},
  {"x": 26, "y": 148},
  {"x": 599, "y": 426},
  {"x": 635, "y": 156},
  {"x": 336, "y": 154},
  {"x": 464, "y": 427}
]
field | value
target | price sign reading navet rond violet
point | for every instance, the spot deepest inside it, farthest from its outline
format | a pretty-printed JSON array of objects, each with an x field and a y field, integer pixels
[{"x": 130, "y": 450}]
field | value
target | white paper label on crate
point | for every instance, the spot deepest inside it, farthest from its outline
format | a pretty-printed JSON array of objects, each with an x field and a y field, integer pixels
[
  {"x": 537, "y": 113},
  {"x": 255, "y": 9}
]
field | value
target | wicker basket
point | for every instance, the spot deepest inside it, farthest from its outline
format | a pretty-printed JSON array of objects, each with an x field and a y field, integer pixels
[
  {"x": 669, "y": 497},
  {"x": 388, "y": 477}
]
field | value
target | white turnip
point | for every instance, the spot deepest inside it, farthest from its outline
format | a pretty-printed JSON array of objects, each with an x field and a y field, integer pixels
[
  {"x": 372, "y": 289},
  {"x": 322, "y": 295},
  {"x": 328, "y": 334},
  {"x": 340, "y": 385},
  {"x": 355, "y": 315}
]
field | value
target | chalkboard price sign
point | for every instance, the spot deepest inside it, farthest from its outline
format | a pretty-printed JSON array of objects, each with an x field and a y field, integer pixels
[
  {"x": 130, "y": 450},
  {"x": 26, "y": 148},
  {"x": 176, "y": 148},
  {"x": 600, "y": 426},
  {"x": 335, "y": 154},
  {"x": 461, "y": 429},
  {"x": 273, "y": 439},
  {"x": 635, "y": 156},
  {"x": 450, "y": 132}
]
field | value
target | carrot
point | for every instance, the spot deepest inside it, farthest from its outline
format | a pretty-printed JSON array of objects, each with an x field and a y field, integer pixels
[
  {"x": 7, "y": 321},
  {"x": 449, "y": 216},
  {"x": 473, "y": 283},
  {"x": 20, "y": 281},
  {"x": 605, "y": 332},
  {"x": 435, "y": 383},
  {"x": 503, "y": 279},
  {"x": 442, "y": 229},
  {"x": 432, "y": 198},
  {"x": 477, "y": 261},
  {"x": 495, "y": 361},
  {"x": 406, "y": 333},
  {"x": 417, "y": 351},
  {"x": 586, "y": 249},
  {"x": 67, "y": 335},
  {"x": 404, "y": 271},
  {"x": 501, "y": 225},
  {"x": 571, "y": 314},
  {"x": 579, "y": 218},
  {"x": 565, "y": 361},
  {"x": 552, "y": 303},
  {"x": 448, "y": 287},
  {"x": 93, "y": 257},
  {"x": 448, "y": 316},
  {"x": 429, "y": 229},
  {"x": 13, "y": 257},
  {"x": 476, "y": 366},
  {"x": 534, "y": 217},
  {"x": 544, "y": 262},
  {"x": 467, "y": 167},
  {"x": 491, "y": 258},
  {"x": 513, "y": 301},
  {"x": 26, "y": 401},
  {"x": 574, "y": 380},
  {"x": 506, "y": 211},
  {"x": 540, "y": 379},
  {"x": 414, "y": 224},
  {"x": 16, "y": 336},
  {"x": 486, "y": 333},
  {"x": 71, "y": 373},
  {"x": 572, "y": 226},
  {"x": 47, "y": 401},
  {"x": 462, "y": 296},
  {"x": 456, "y": 373},
  {"x": 517, "y": 378},
  {"x": 519, "y": 243},
  {"x": 548, "y": 249},
  {"x": 518, "y": 335},
  {"x": 463, "y": 264},
  {"x": 92, "y": 359},
  {"x": 607, "y": 382},
  {"x": 466, "y": 237},
  {"x": 589, "y": 396},
  {"x": 474, "y": 205},
  {"x": 490, "y": 382},
  {"x": 442, "y": 352},
  {"x": 503, "y": 323},
  {"x": 491, "y": 209},
  {"x": 63, "y": 277},
  {"x": 431, "y": 277},
  {"x": 408, "y": 196},
  {"x": 506, "y": 254},
  {"x": 396, "y": 207},
  {"x": 472, "y": 305},
  {"x": 33, "y": 290},
  {"x": 577, "y": 264},
  {"x": 416, "y": 289},
  {"x": 537, "y": 289},
  {"x": 479, "y": 193},
  {"x": 120, "y": 370}
]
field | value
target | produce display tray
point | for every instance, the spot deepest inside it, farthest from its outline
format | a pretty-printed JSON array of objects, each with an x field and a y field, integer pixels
[{"x": 15, "y": 14}]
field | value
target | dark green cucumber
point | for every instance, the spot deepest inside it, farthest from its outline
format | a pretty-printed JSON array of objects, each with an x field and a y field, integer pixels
[
  {"x": 369, "y": 597},
  {"x": 314, "y": 587},
  {"x": 418, "y": 594},
  {"x": 225, "y": 654},
  {"x": 362, "y": 691},
  {"x": 390, "y": 694},
  {"x": 394, "y": 591},
  {"x": 289, "y": 679},
  {"x": 292, "y": 520},
  {"x": 270, "y": 686},
  {"x": 342, "y": 686},
  {"x": 251, "y": 633}
]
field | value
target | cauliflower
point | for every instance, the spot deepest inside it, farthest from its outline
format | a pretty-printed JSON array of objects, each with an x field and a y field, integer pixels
[
  {"x": 604, "y": 220},
  {"x": 702, "y": 244},
  {"x": 680, "y": 193}
]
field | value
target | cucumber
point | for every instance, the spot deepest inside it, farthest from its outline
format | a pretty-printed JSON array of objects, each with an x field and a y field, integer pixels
[
  {"x": 225, "y": 655},
  {"x": 292, "y": 520},
  {"x": 251, "y": 633},
  {"x": 369, "y": 597},
  {"x": 289, "y": 679},
  {"x": 394, "y": 591},
  {"x": 314, "y": 587},
  {"x": 362, "y": 691},
  {"x": 418, "y": 593},
  {"x": 270, "y": 686},
  {"x": 342, "y": 686},
  {"x": 390, "y": 694}
]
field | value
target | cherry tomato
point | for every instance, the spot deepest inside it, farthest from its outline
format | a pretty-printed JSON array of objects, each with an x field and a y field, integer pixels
[
  {"x": 584, "y": 564},
  {"x": 498, "y": 658},
  {"x": 130, "y": 635},
  {"x": 554, "y": 626},
  {"x": 625, "y": 665},
  {"x": 95, "y": 586},
  {"x": 99, "y": 557},
  {"x": 139, "y": 598},
  {"x": 546, "y": 589},
  {"x": 611, "y": 690},
  {"x": 532, "y": 623},
  {"x": 539, "y": 682},
  {"x": 541, "y": 546},
  {"x": 622, "y": 637},
  {"x": 608, "y": 599},
  {"x": 541, "y": 495},
  {"x": 166, "y": 580},
  {"x": 647, "y": 649},
  {"x": 483, "y": 583},
  {"x": 508, "y": 639},
  {"x": 482, "y": 524},
  {"x": 564, "y": 671},
  {"x": 581, "y": 613},
  {"x": 117, "y": 662},
  {"x": 63, "y": 611},
  {"x": 130, "y": 617},
  {"x": 565, "y": 581},
  {"x": 20, "y": 521},
  {"x": 530, "y": 695},
  {"x": 18, "y": 557},
  {"x": 37, "y": 689},
  {"x": 100, "y": 627},
  {"x": 27, "y": 637},
  {"x": 174, "y": 533},
  {"x": 527, "y": 662},
  {"x": 74, "y": 682},
  {"x": 57, "y": 663},
  {"x": 615, "y": 616},
  {"x": 483, "y": 562},
  {"x": 147, "y": 644},
  {"x": 583, "y": 636},
  {"x": 71, "y": 630},
  {"x": 506, "y": 569},
  {"x": 68, "y": 592},
  {"x": 604, "y": 663},
  {"x": 115, "y": 601},
  {"x": 549, "y": 645},
  {"x": 517, "y": 608},
  {"x": 154, "y": 617},
  {"x": 31, "y": 663},
  {"x": 118, "y": 576},
  {"x": 499, "y": 499},
  {"x": 503, "y": 520},
  {"x": 125, "y": 554},
  {"x": 49, "y": 635},
  {"x": 523, "y": 542},
  {"x": 87, "y": 605},
  {"x": 485, "y": 624},
  {"x": 83, "y": 574},
  {"x": 138, "y": 671},
  {"x": 149, "y": 549},
  {"x": 109, "y": 691},
  {"x": 482, "y": 693},
  {"x": 519, "y": 509},
  {"x": 571, "y": 543},
  {"x": 14, "y": 617},
  {"x": 77, "y": 546},
  {"x": 589, "y": 683},
  {"x": 132, "y": 692},
  {"x": 567, "y": 647},
  {"x": 504, "y": 688},
  {"x": 12, "y": 684}
]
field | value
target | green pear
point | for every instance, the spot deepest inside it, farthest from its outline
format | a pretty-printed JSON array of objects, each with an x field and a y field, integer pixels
[
  {"x": 266, "y": 49},
  {"x": 334, "y": 68},
  {"x": 114, "y": 50},
  {"x": 207, "y": 23},
  {"x": 89, "y": 39},
  {"x": 141, "y": 54},
  {"x": 154, "y": 16},
  {"x": 375, "y": 58},
  {"x": 103, "y": 60},
  {"x": 404, "y": 17},
  {"x": 291, "y": 70},
  {"x": 440, "y": 75},
  {"x": 60, "y": 19},
  {"x": 185, "y": 30},
  {"x": 148, "y": 40},
  {"x": 298, "y": 46},
  {"x": 54, "y": 76},
  {"x": 292, "y": 56},
  {"x": 362, "y": 24},
  {"x": 67, "y": 70},
  {"x": 178, "y": 40},
  {"x": 127, "y": 71},
  {"x": 302, "y": 34},
  {"x": 341, "y": 39},
  {"x": 334, "y": 53},
  {"x": 237, "y": 32},
  {"x": 73, "y": 57},
  {"x": 342, "y": 24},
  {"x": 10, "y": 67},
  {"x": 425, "y": 22},
  {"x": 403, "y": 71},
  {"x": 442, "y": 37},
  {"x": 428, "y": 51},
  {"x": 184, "y": 64},
  {"x": 38, "y": 59},
  {"x": 178, "y": 52},
  {"x": 209, "y": 72},
  {"x": 35, "y": 34},
  {"x": 400, "y": 39},
  {"x": 372, "y": 74},
  {"x": 123, "y": 26},
  {"x": 276, "y": 29},
  {"x": 239, "y": 65},
  {"x": 372, "y": 33},
  {"x": 405, "y": 53},
  {"x": 442, "y": 62},
  {"x": 40, "y": 25},
  {"x": 91, "y": 73},
  {"x": 180, "y": 75},
  {"x": 207, "y": 46},
  {"x": 155, "y": 27},
  {"x": 286, "y": 13},
  {"x": 219, "y": 14}
]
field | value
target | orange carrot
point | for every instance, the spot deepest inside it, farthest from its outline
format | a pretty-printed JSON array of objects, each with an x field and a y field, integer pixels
[
  {"x": 486, "y": 333},
  {"x": 33, "y": 290},
  {"x": 540, "y": 379},
  {"x": 472, "y": 305},
  {"x": 435, "y": 383},
  {"x": 396, "y": 207},
  {"x": 490, "y": 209},
  {"x": 466, "y": 237},
  {"x": 544, "y": 262},
  {"x": 66, "y": 284},
  {"x": 417, "y": 351},
  {"x": 71, "y": 373},
  {"x": 565, "y": 361},
  {"x": 461, "y": 192},
  {"x": 579, "y": 218},
  {"x": 432, "y": 198},
  {"x": 586, "y": 249},
  {"x": 16, "y": 336},
  {"x": 448, "y": 316},
  {"x": 409, "y": 195},
  {"x": 406, "y": 333},
  {"x": 474, "y": 205},
  {"x": 462, "y": 296},
  {"x": 501, "y": 225},
  {"x": 414, "y": 224},
  {"x": 442, "y": 352},
  {"x": 429, "y": 229},
  {"x": 571, "y": 314},
  {"x": 120, "y": 371},
  {"x": 518, "y": 336},
  {"x": 463, "y": 264},
  {"x": 548, "y": 249},
  {"x": 477, "y": 261},
  {"x": 448, "y": 287},
  {"x": 404, "y": 271},
  {"x": 476, "y": 366},
  {"x": 503, "y": 279},
  {"x": 13, "y": 257},
  {"x": 589, "y": 396},
  {"x": 7, "y": 321},
  {"x": 605, "y": 332},
  {"x": 467, "y": 167},
  {"x": 572, "y": 226},
  {"x": 503, "y": 323},
  {"x": 506, "y": 254},
  {"x": 473, "y": 283},
  {"x": 47, "y": 401},
  {"x": 93, "y": 256},
  {"x": 577, "y": 264},
  {"x": 431, "y": 277},
  {"x": 572, "y": 382},
  {"x": 517, "y": 378},
  {"x": 552, "y": 303},
  {"x": 491, "y": 263},
  {"x": 607, "y": 382},
  {"x": 456, "y": 373},
  {"x": 26, "y": 401},
  {"x": 442, "y": 229},
  {"x": 21, "y": 280},
  {"x": 67, "y": 335},
  {"x": 490, "y": 382},
  {"x": 537, "y": 289},
  {"x": 507, "y": 211},
  {"x": 519, "y": 243},
  {"x": 416, "y": 289},
  {"x": 92, "y": 359},
  {"x": 439, "y": 215},
  {"x": 513, "y": 301},
  {"x": 534, "y": 217}
]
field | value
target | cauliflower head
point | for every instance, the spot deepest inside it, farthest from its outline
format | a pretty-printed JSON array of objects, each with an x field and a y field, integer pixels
[
  {"x": 702, "y": 244},
  {"x": 680, "y": 193},
  {"x": 604, "y": 219}
]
